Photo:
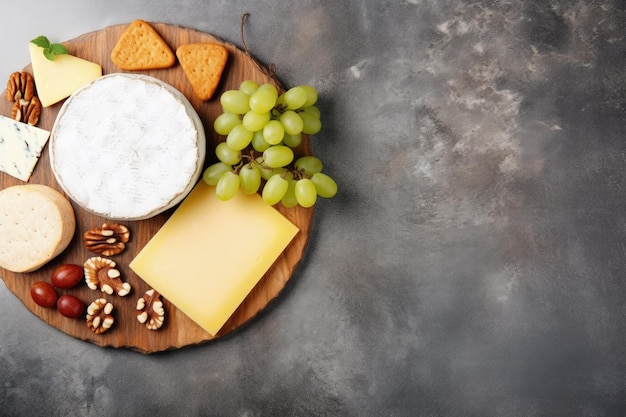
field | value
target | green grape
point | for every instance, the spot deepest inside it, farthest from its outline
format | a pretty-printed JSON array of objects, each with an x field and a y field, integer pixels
[
  {"x": 295, "y": 97},
  {"x": 266, "y": 172},
  {"x": 250, "y": 178},
  {"x": 249, "y": 87},
  {"x": 278, "y": 156},
  {"x": 269, "y": 88},
  {"x": 311, "y": 94},
  {"x": 309, "y": 165},
  {"x": 258, "y": 141},
  {"x": 264, "y": 98},
  {"x": 289, "y": 199},
  {"x": 310, "y": 124},
  {"x": 273, "y": 132},
  {"x": 292, "y": 140},
  {"x": 292, "y": 122},
  {"x": 286, "y": 174},
  {"x": 305, "y": 192},
  {"x": 239, "y": 137},
  {"x": 312, "y": 110},
  {"x": 213, "y": 173},
  {"x": 235, "y": 101},
  {"x": 227, "y": 186},
  {"x": 225, "y": 122},
  {"x": 274, "y": 189},
  {"x": 254, "y": 121},
  {"x": 325, "y": 186},
  {"x": 262, "y": 102},
  {"x": 280, "y": 101},
  {"x": 226, "y": 154}
]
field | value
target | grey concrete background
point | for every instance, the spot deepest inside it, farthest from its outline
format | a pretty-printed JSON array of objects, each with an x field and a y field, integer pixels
[{"x": 473, "y": 263}]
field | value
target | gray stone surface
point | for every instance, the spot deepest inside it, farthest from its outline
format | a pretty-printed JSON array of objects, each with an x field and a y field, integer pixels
[{"x": 473, "y": 263}]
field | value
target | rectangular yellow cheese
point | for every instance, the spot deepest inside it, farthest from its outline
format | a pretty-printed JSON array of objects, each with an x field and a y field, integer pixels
[
  {"x": 58, "y": 79},
  {"x": 210, "y": 254}
]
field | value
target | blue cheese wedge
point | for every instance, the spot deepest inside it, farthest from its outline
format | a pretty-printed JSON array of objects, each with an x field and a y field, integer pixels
[
  {"x": 20, "y": 147},
  {"x": 127, "y": 147}
]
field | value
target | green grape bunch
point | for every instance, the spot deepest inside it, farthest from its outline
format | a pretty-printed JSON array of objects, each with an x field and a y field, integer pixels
[{"x": 262, "y": 128}]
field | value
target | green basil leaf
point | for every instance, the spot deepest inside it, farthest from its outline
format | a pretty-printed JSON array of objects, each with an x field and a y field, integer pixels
[
  {"x": 41, "y": 41},
  {"x": 58, "y": 49},
  {"x": 50, "y": 50},
  {"x": 47, "y": 52}
]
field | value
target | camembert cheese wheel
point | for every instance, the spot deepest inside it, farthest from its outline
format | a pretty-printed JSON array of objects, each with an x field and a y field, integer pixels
[
  {"x": 127, "y": 147},
  {"x": 36, "y": 224}
]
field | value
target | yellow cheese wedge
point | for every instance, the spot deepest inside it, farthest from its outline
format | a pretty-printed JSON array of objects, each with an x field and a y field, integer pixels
[
  {"x": 210, "y": 254},
  {"x": 56, "y": 80}
]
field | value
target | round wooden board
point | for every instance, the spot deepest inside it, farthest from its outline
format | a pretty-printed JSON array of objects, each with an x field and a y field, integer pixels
[{"x": 178, "y": 330}]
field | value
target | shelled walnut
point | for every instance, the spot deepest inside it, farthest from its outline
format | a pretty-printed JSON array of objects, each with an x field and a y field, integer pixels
[
  {"x": 26, "y": 111},
  {"x": 99, "y": 316},
  {"x": 150, "y": 310},
  {"x": 21, "y": 91},
  {"x": 100, "y": 273},
  {"x": 21, "y": 86},
  {"x": 108, "y": 240}
]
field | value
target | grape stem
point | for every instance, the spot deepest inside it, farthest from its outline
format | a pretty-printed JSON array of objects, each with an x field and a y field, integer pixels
[
  {"x": 238, "y": 167},
  {"x": 251, "y": 157},
  {"x": 245, "y": 160},
  {"x": 280, "y": 108},
  {"x": 271, "y": 72}
]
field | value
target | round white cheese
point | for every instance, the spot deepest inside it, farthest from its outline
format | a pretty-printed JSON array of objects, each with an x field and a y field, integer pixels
[
  {"x": 127, "y": 147},
  {"x": 36, "y": 224}
]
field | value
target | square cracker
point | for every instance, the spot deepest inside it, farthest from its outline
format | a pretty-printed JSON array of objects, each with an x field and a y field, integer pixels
[
  {"x": 203, "y": 65},
  {"x": 140, "y": 47}
]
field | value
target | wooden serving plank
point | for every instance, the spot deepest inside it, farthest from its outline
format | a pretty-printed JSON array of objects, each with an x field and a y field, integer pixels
[{"x": 178, "y": 330}]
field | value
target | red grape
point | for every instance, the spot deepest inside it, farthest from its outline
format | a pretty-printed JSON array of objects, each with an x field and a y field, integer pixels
[
  {"x": 43, "y": 294},
  {"x": 67, "y": 276},
  {"x": 70, "y": 306}
]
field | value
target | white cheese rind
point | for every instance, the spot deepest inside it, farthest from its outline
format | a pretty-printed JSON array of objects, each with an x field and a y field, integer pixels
[
  {"x": 127, "y": 147},
  {"x": 20, "y": 147},
  {"x": 37, "y": 223}
]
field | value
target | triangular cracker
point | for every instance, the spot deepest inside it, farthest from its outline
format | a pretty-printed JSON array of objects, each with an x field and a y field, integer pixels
[
  {"x": 203, "y": 64},
  {"x": 140, "y": 47}
]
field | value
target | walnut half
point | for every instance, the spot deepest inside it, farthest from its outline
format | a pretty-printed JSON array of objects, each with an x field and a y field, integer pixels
[
  {"x": 108, "y": 240},
  {"x": 100, "y": 273},
  {"x": 99, "y": 317},
  {"x": 21, "y": 91},
  {"x": 150, "y": 310},
  {"x": 21, "y": 86}
]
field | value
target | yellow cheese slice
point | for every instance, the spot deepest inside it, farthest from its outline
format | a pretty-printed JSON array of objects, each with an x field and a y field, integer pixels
[
  {"x": 210, "y": 254},
  {"x": 58, "y": 79}
]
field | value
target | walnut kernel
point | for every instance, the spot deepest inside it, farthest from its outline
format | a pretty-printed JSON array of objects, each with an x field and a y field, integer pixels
[
  {"x": 99, "y": 317},
  {"x": 150, "y": 310},
  {"x": 100, "y": 273},
  {"x": 21, "y": 90},
  {"x": 108, "y": 240},
  {"x": 21, "y": 86}
]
